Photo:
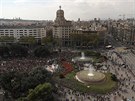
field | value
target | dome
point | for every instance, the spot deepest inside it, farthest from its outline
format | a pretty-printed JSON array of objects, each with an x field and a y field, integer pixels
[{"x": 60, "y": 13}]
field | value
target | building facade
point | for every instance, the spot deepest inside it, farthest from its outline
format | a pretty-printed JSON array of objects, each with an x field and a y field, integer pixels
[
  {"x": 124, "y": 31},
  {"x": 87, "y": 38},
  {"x": 17, "y": 32},
  {"x": 62, "y": 29}
]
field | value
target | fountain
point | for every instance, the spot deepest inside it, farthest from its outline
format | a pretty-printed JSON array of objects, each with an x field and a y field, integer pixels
[
  {"x": 90, "y": 71},
  {"x": 82, "y": 58},
  {"x": 82, "y": 55},
  {"x": 90, "y": 76}
]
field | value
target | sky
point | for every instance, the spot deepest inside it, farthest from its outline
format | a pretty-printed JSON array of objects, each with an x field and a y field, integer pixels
[{"x": 74, "y": 9}]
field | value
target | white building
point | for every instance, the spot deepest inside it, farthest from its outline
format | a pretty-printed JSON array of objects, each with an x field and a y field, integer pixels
[
  {"x": 17, "y": 32},
  {"x": 62, "y": 29}
]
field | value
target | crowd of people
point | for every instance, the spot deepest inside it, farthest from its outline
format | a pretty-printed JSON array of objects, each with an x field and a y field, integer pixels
[
  {"x": 124, "y": 74},
  {"x": 21, "y": 64},
  {"x": 27, "y": 63},
  {"x": 114, "y": 65}
]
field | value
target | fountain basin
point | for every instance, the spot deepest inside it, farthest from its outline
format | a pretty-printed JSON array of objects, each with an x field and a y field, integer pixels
[
  {"x": 90, "y": 78},
  {"x": 82, "y": 58},
  {"x": 86, "y": 59}
]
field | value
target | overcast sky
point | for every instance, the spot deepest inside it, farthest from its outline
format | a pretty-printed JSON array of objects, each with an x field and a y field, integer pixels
[{"x": 74, "y": 9}]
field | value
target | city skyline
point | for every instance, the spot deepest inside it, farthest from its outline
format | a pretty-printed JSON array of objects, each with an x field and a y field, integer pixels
[{"x": 74, "y": 9}]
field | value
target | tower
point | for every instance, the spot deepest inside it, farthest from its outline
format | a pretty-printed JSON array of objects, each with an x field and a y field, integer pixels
[
  {"x": 60, "y": 14},
  {"x": 62, "y": 28}
]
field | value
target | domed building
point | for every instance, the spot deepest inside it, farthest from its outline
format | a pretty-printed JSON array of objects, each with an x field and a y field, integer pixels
[
  {"x": 60, "y": 19},
  {"x": 62, "y": 28}
]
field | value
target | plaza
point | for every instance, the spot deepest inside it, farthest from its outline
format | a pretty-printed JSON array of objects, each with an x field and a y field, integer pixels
[
  {"x": 124, "y": 92},
  {"x": 89, "y": 59}
]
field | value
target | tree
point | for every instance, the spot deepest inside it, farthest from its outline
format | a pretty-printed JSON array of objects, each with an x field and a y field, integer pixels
[
  {"x": 7, "y": 39},
  {"x": 4, "y": 51},
  {"x": 10, "y": 81},
  {"x": 17, "y": 50},
  {"x": 37, "y": 76},
  {"x": 48, "y": 41},
  {"x": 77, "y": 38},
  {"x": 85, "y": 39},
  {"x": 41, "y": 51},
  {"x": 30, "y": 40},
  {"x": 42, "y": 92},
  {"x": 19, "y": 83},
  {"x": 49, "y": 32},
  {"x": 14, "y": 50}
]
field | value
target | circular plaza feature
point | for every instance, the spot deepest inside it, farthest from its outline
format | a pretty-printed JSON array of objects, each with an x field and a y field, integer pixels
[{"x": 85, "y": 77}]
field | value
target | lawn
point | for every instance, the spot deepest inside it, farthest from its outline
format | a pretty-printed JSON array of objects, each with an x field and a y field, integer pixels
[{"x": 70, "y": 82}]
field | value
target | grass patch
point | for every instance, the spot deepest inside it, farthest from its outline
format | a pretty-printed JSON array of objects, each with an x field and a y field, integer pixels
[
  {"x": 70, "y": 82},
  {"x": 71, "y": 75}
]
